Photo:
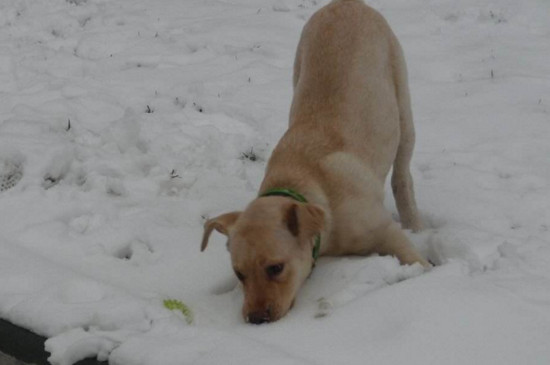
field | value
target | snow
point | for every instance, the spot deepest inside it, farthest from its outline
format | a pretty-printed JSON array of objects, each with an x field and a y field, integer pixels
[{"x": 124, "y": 124}]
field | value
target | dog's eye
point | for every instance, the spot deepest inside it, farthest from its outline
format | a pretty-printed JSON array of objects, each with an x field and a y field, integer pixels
[
  {"x": 274, "y": 270},
  {"x": 239, "y": 274}
]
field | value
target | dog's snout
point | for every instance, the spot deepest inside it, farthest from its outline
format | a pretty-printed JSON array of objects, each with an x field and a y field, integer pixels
[{"x": 259, "y": 317}]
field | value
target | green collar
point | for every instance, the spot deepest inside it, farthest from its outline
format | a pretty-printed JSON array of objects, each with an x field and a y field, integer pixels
[{"x": 298, "y": 197}]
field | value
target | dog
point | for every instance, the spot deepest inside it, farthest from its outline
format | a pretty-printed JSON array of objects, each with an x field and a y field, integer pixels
[{"x": 323, "y": 190}]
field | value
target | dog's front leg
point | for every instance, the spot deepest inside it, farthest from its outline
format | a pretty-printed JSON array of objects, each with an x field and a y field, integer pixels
[{"x": 394, "y": 242}]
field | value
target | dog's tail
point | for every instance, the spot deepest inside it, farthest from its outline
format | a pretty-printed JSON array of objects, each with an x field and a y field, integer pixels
[
  {"x": 402, "y": 92},
  {"x": 402, "y": 183}
]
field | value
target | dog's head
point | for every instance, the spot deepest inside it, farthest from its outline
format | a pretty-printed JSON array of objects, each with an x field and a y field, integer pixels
[{"x": 271, "y": 244}]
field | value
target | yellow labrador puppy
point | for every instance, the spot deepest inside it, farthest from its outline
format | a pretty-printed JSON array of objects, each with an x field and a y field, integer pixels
[{"x": 322, "y": 194}]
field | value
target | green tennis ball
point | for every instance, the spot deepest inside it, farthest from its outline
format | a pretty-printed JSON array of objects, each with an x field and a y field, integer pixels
[{"x": 174, "y": 304}]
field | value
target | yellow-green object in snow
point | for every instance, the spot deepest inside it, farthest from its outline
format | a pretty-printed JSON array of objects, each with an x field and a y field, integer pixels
[{"x": 174, "y": 304}]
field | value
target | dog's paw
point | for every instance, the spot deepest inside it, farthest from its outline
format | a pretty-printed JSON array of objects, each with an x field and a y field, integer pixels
[{"x": 377, "y": 272}]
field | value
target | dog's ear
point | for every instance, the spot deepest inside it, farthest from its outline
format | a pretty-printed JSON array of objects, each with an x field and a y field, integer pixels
[
  {"x": 305, "y": 220},
  {"x": 221, "y": 224}
]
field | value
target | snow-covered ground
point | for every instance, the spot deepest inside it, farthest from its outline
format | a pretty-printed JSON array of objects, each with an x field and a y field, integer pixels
[{"x": 123, "y": 124}]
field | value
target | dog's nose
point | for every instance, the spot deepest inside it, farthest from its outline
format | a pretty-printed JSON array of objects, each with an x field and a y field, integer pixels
[{"x": 259, "y": 317}]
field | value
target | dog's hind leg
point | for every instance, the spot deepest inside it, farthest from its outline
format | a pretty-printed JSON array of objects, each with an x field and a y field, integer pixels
[{"x": 401, "y": 180}]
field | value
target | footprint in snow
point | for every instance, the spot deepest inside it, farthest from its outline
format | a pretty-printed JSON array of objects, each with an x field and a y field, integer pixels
[
  {"x": 11, "y": 170},
  {"x": 137, "y": 252},
  {"x": 58, "y": 168}
]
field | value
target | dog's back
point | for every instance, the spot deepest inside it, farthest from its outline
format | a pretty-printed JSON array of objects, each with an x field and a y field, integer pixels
[{"x": 345, "y": 75}]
